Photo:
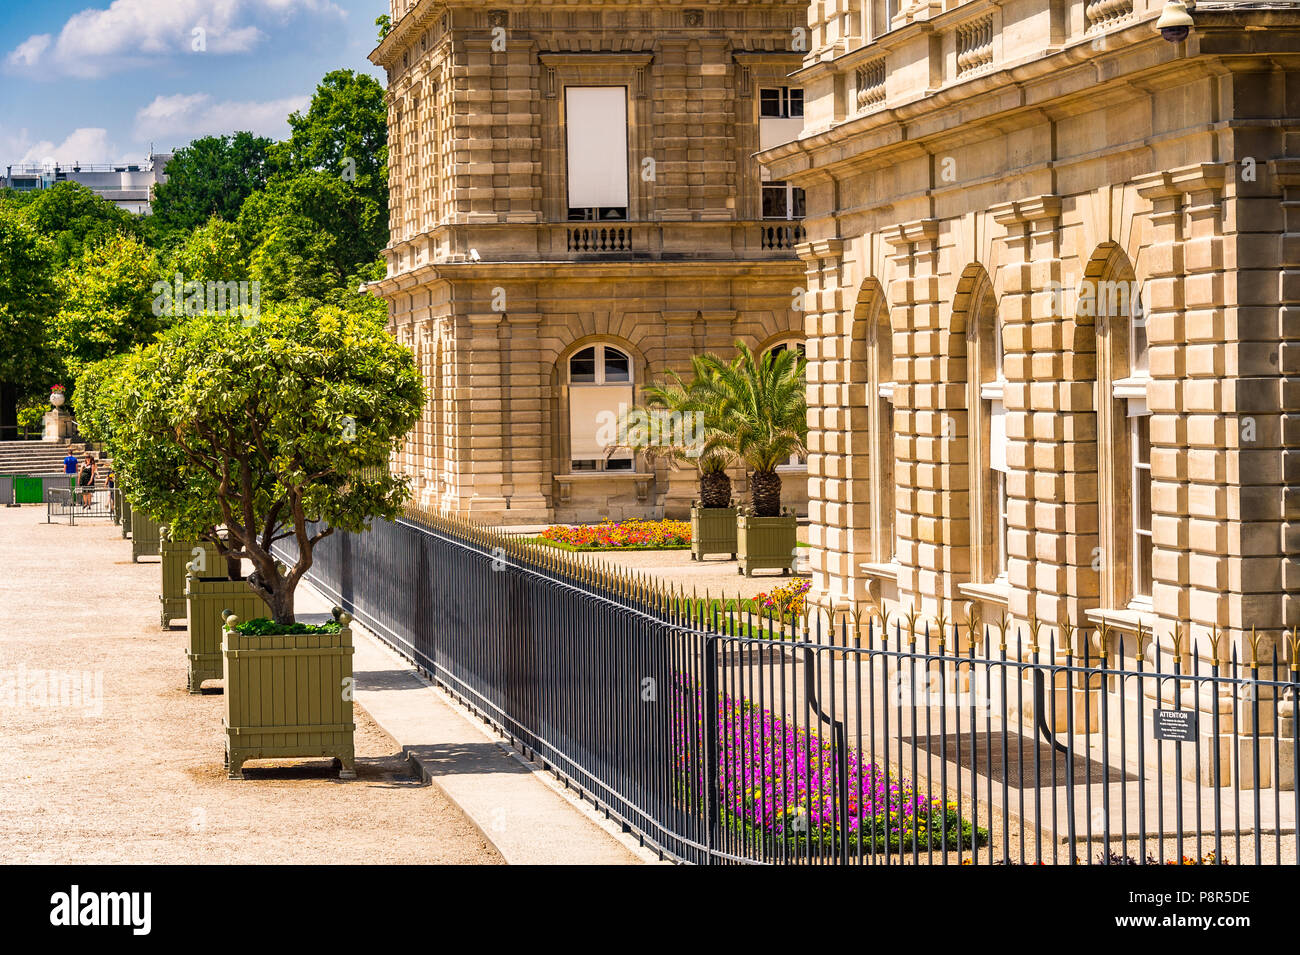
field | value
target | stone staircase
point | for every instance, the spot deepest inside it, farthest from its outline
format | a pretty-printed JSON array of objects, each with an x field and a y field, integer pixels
[{"x": 35, "y": 457}]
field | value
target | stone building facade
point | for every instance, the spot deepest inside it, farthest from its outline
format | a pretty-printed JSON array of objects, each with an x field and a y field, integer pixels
[
  {"x": 575, "y": 209},
  {"x": 1054, "y": 361}
]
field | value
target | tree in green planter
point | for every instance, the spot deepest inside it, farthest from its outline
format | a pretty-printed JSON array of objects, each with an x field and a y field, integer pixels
[
  {"x": 759, "y": 404},
  {"x": 275, "y": 430},
  {"x": 679, "y": 423}
]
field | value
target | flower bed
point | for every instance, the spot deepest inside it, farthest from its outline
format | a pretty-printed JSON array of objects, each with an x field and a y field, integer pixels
[
  {"x": 777, "y": 785},
  {"x": 624, "y": 535},
  {"x": 786, "y": 602}
]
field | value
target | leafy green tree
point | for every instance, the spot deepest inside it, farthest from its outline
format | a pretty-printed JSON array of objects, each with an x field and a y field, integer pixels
[
  {"x": 385, "y": 24},
  {"x": 759, "y": 403},
  {"x": 212, "y": 176},
  {"x": 305, "y": 234},
  {"x": 108, "y": 302},
  {"x": 282, "y": 429},
  {"x": 29, "y": 297},
  {"x": 96, "y": 394},
  {"x": 74, "y": 218},
  {"x": 211, "y": 253},
  {"x": 344, "y": 133}
]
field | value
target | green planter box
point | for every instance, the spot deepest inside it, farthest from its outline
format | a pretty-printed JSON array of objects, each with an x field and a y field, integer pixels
[
  {"x": 125, "y": 514},
  {"x": 144, "y": 536},
  {"x": 289, "y": 697},
  {"x": 208, "y": 600},
  {"x": 767, "y": 542},
  {"x": 713, "y": 531},
  {"x": 176, "y": 555},
  {"x": 115, "y": 506}
]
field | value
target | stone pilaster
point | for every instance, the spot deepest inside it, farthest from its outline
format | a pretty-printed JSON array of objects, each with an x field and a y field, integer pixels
[
  {"x": 481, "y": 420},
  {"x": 1051, "y": 431},
  {"x": 914, "y": 303},
  {"x": 526, "y": 438},
  {"x": 831, "y": 518}
]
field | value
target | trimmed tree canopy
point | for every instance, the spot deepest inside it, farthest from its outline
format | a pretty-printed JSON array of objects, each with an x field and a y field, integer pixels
[
  {"x": 273, "y": 429},
  {"x": 28, "y": 298}
]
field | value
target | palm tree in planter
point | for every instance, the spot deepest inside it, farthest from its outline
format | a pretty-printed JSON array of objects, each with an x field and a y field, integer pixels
[
  {"x": 679, "y": 424},
  {"x": 759, "y": 404}
]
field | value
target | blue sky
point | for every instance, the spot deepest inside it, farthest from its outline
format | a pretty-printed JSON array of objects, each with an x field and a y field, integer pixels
[{"x": 97, "y": 81}]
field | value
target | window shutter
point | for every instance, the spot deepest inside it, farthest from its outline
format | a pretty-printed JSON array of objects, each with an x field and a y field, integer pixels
[
  {"x": 997, "y": 437},
  {"x": 596, "y": 125},
  {"x": 593, "y": 418}
]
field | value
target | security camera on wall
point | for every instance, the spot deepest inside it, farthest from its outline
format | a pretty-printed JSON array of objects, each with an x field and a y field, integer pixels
[{"x": 1175, "y": 22}]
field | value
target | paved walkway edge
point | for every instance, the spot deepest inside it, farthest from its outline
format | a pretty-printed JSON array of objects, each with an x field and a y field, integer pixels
[{"x": 525, "y": 813}]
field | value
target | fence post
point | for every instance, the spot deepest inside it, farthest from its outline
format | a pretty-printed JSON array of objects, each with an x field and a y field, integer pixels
[{"x": 711, "y": 814}]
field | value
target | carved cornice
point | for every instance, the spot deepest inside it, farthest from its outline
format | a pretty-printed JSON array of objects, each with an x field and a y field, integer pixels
[
  {"x": 596, "y": 58},
  {"x": 905, "y": 234},
  {"x": 820, "y": 249},
  {"x": 1182, "y": 181},
  {"x": 1020, "y": 211}
]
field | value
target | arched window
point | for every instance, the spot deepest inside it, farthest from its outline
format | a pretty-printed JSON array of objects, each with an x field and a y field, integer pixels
[
  {"x": 600, "y": 394},
  {"x": 880, "y": 400},
  {"x": 988, "y": 434}
]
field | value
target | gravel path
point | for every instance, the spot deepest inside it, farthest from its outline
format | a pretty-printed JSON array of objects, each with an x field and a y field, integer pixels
[{"x": 135, "y": 775}]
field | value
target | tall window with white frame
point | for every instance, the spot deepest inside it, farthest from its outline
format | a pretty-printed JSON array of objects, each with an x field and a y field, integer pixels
[
  {"x": 1132, "y": 391},
  {"x": 1124, "y": 440},
  {"x": 988, "y": 433},
  {"x": 600, "y": 393},
  {"x": 880, "y": 394},
  {"x": 780, "y": 120}
]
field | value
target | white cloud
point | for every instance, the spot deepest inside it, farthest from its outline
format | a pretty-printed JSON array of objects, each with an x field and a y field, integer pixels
[
  {"x": 29, "y": 51},
  {"x": 135, "y": 33},
  {"x": 174, "y": 120},
  {"x": 87, "y": 145}
]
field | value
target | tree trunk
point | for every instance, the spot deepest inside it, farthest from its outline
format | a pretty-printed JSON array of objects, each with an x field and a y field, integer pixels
[
  {"x": 715, "y": 489},
  {"x": 8, "y": 411},
  {"x": 234, "y": 569},
  {"x": 766, "y": 492},
  {"x": 281, "y": 604}
]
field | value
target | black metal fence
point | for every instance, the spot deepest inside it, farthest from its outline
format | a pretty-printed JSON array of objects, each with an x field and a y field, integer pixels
[{"x": 719, "y": 735}]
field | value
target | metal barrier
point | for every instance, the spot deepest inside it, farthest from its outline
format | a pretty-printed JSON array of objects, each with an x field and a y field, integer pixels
[
  {"x": 63, "y": 503},
  {"x": 721, "y": 736}
]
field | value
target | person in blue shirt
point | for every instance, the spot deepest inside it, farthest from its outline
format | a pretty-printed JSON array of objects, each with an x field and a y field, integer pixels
[{"x": 70, "y": 469}]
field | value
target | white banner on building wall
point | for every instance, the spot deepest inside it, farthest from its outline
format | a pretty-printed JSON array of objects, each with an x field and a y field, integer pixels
[{"x": 596, "y": 122}]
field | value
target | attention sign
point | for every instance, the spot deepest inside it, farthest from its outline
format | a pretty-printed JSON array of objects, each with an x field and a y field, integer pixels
[{"x": 1178, "y": 725}]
